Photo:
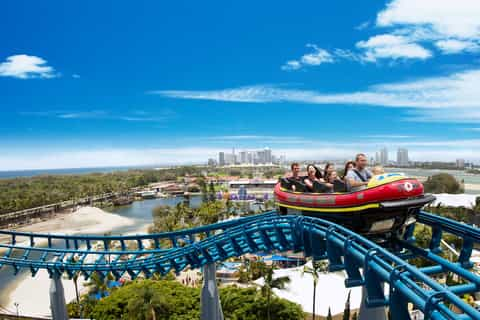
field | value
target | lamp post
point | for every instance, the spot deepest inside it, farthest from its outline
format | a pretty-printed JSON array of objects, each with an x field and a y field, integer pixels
[{"x": 16, "y": 304}]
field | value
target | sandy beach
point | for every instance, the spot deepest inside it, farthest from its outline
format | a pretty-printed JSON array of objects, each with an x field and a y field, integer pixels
[
  {"x": 32, "y": 293},
  {"x": 456, "y": 200}
]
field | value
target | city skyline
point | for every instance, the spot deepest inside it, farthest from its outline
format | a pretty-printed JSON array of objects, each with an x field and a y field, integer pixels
[{"x": 183, "y": 80}]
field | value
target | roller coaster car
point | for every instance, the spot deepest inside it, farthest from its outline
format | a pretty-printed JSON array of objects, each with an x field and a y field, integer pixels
[{"x": 389, "y": 203}]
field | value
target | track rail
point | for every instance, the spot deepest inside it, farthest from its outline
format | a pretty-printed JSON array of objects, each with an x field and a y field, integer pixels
[{"x": 366, "y": 263}]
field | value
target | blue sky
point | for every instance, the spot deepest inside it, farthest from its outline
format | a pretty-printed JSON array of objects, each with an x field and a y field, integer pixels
[{"x": 119, "y": 83}]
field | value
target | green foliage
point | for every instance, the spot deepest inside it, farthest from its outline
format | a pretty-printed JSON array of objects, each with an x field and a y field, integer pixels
[
  {"x": 247, "y": 304},
  {"x": 443, "y": 183},
  {"x": 193, "y": 188},
  {"x": 423, "y": 234},
  {"x": 461, "y": 214},
  {"x": 271, "y": 283},
  {"x": 252, "y": 270},
  {"x": 315, "y": 270},
  {"x": 148, "y": 299},
  {"x": 87, "y": 305},
  {"x": 28, "y": 192},
  {"x": 473, "y": 171},
  {"x": 169, "y": 300},
  {"x": 329, "y": 315},
  {"x": 181, "y": 216}
]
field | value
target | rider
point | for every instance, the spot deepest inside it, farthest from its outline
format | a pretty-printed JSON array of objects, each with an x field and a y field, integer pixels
[
  {"x": 359, "y": 176},
  {"x": 295, "y": 172},
  {"x": 294, "y": 179},
  {"x": 315, "y": 182}
]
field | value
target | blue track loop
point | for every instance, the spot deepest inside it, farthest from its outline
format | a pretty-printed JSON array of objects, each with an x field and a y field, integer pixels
[{"x": 193, "y": 248}]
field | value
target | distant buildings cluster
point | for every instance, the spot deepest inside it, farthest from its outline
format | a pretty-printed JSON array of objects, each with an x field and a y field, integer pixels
[
  {"x": 381, "y": 157},
  {"x": 266, "y": 157},
  {"x": 247, "y": 157}
]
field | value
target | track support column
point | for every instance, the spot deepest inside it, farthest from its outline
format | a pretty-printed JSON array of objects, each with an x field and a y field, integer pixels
[
  {"x": 57, "y": 298},
  {"x": 211, "y": 309},
  {"x": 377, "y": 313}
]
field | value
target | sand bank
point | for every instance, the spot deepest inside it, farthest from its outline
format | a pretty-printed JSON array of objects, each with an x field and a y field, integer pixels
[{"x": 456, "y": 200}]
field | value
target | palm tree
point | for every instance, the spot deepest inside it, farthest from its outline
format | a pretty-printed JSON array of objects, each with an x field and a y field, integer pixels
[
  {"x": 149, "y": 303},
  {"x": 315, "y": 270},
  {"x": 272, "y": 283},
  {"x": 329, "y": 316},
  {"x": 75, "y": 280},
  {"x": 97, "y": 284},
  {"x": 346, "y": 312}
]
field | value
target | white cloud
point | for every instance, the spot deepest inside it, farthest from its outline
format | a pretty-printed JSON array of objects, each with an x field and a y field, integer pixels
[
  {"x": 81, "y": 115},
  {"x": 261, "y": 139},
  {"x": 457, "y": 19},
  {"x": 362, "y": 25},
  {"x": 315, "y": 58},
  {"x": 291, "y": 65},
  {"x": 412, "y": 29},
  {"x": 94, "y": 114},
  {"x": 388, "y": 136},
  {"x": 23, "y": 66},
  {"x": 105, "y": 157},
  {"x": 453, "y": 26},
  {"x": 451, "y": 98},
  {"x": 452, "y": 46},
  {"x": 392, "y": 47}
]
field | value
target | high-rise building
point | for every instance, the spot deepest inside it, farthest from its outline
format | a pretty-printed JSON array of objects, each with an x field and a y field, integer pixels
[
  {"x": 460, "y": 163},
  {"x": 230, "y": 158},
  {"x": 260, "y": 157},
  {"x": 250, "y": 157},
  {"x": 383, "y": 156},
  {"x": 402, "y": 157},
  {"x": 377, "y": 157},
  {"x": 268, "y": 155},
  {"x": 221, "y": 158},
  {"x": 243, "y": 157},
  {"x": 212, "y": 162}
]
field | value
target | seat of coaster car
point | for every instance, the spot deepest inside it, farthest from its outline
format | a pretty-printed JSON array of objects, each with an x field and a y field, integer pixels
[
  {"x": 340, "y": 186},
  {"x": 319, "y": 187},
  {"x": 287, "y": 183}
]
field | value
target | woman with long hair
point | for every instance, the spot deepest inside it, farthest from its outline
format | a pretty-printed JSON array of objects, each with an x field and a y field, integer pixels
[
  {"x": 348, "y": 166},
  {"x": 314, "y": 180},
  {"x": 329, "y": 167}
]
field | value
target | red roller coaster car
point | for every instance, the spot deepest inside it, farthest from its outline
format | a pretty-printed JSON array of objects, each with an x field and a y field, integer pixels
[{"x": 390, "y": 202}]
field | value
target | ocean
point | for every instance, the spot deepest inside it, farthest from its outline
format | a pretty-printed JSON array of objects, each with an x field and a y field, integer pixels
[{"x": 31, "y": 173}]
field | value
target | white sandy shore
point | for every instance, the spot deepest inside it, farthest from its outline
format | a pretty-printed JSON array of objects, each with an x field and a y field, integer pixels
[
  {"x": 456, "y": 200},
  {"x": 32, "y": 294}
]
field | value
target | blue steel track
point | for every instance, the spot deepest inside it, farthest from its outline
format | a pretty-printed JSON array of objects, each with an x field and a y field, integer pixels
[{"x": 365, "y": 262}]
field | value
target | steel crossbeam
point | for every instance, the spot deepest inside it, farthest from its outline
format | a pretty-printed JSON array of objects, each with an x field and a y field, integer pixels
[{"x": 366, "y": 263}]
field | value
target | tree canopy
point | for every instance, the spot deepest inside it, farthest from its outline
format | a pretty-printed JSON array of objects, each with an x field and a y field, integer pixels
[
  {"x": 443, "y": 183},
  {"x": 168, "y": 300}
]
